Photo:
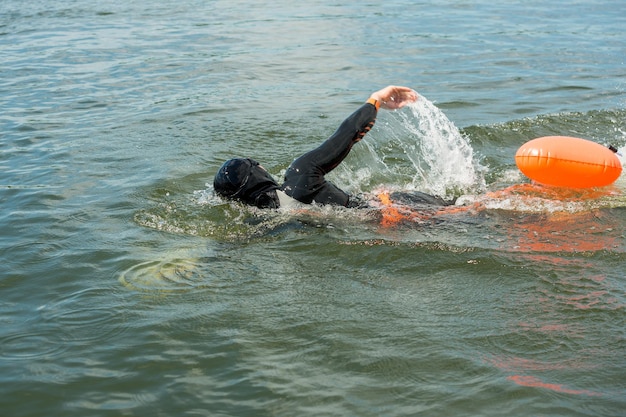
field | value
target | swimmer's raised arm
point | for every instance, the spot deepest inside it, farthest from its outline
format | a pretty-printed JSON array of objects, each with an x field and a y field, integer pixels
[
  {"x": 394, "y": 97},
  {"x": 243, "y": 179}
]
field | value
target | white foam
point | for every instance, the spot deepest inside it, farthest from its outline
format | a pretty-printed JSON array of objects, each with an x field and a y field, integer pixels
[{"x": 414, "y": 148}]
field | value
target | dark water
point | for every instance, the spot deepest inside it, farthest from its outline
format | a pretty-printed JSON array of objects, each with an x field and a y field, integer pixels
[{"x": 129, "y": 288}]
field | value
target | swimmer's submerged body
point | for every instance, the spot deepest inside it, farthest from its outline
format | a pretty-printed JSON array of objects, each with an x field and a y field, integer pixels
[{"x": 245, "y": 180}]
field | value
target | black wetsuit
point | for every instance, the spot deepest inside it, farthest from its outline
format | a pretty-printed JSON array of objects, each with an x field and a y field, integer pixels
[
  {"x": 304, "y": 179},
  {"x": 245, "y": 180}
]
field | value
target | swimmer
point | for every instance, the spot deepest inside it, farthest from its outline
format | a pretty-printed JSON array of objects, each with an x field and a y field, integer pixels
[{"x": 245, "y": 180}]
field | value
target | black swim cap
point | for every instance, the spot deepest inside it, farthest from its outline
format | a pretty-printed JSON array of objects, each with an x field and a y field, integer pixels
[
  {"x": 231, "y": 178},
  {"x": 245, "y": 180}
]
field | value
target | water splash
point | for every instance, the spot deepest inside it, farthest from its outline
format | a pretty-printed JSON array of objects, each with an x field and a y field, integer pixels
[
  {"x": 445, "y": 153},
  {"x": 416, "y": 148}
]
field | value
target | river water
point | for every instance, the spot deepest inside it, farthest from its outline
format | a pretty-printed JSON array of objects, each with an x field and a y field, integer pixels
[{"x": 129, "y": 288}]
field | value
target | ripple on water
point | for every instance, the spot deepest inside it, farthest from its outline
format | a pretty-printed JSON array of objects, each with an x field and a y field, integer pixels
[
  {"x": 24, "y": 336},
  {"x": 35, "y": 342},
  {"x": 87, "y": 315}
]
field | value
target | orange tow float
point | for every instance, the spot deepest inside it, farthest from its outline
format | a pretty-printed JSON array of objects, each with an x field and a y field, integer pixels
[{"x": 564, "y": 161}]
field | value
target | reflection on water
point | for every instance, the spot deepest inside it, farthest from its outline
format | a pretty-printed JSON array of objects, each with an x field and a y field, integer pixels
[
  {"x": 179, "y": 271},
  {"x": 534, "y": 382},
  {"x": 585, "y": 232},
  {"x": 534, "y": 218},
  {"x": 164, "y": 275}
]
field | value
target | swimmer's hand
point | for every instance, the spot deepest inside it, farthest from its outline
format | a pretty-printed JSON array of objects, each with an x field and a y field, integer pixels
[{"x": 394, "y": 97}]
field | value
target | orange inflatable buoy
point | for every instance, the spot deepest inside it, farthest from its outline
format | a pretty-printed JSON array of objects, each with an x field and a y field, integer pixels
[{"x": 564, "y": 161}]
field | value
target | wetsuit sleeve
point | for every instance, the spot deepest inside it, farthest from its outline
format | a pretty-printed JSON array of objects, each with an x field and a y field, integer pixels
[
  {"x": 304, "y": 179},
  {"x": 335, "y": 149}
]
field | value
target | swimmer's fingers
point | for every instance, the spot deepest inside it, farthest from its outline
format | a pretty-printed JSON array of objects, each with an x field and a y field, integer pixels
[{"x": 395, "y": 97}]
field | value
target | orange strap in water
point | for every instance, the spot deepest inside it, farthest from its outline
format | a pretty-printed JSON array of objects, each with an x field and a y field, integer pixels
[{"x": 393, "y": 214}]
